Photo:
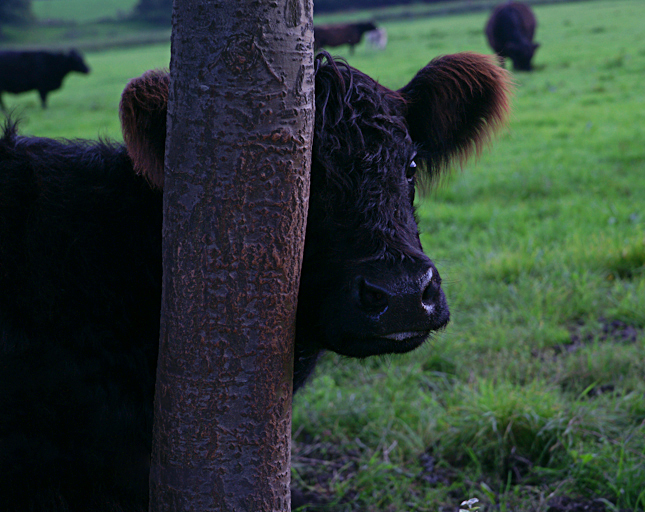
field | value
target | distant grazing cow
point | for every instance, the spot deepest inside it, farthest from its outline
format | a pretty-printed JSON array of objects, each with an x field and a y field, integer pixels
[
  {"x": 41, "y": 71},
  {"x": 510, "y": 32},
  {"x": 81, "y": 272},
  {"x": 377, "y": 38},
  {"x": 338, "y": 35}
]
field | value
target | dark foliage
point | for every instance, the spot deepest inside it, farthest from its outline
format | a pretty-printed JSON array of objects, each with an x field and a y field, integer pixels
[
  {"x": 343, "y": 5},
  {"x": 15, "y": 11},
  {"x": 37, "y": 70},
  {"x": 160, "y": 11},
  {"x": 80, "y": 267},
  {"x": 156, "y": 11}
]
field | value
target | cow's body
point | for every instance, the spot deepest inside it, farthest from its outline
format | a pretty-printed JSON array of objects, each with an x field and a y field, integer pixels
[
  {"x": 510, "y": 31},
  {"x": 329, "y": 36},
  {"x": 37, "y": 70},
  {"x": 77, "y": 363},
  {"x": 80, "y": 268}
]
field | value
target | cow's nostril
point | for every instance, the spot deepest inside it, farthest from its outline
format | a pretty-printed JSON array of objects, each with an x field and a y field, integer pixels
[
  {"x": 371, "y": 298},
  {"x": 430, "y": 293}
]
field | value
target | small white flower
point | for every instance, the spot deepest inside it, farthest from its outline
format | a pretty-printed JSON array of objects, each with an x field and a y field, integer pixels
[{"x": 468, "y": 503}]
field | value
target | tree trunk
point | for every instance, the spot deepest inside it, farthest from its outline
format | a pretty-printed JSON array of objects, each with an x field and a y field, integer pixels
[{"x": 238, "y": 153}]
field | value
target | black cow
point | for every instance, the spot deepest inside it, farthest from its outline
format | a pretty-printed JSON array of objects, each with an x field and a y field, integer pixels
[
  {"x": 337, "y": 35},
  {"x": 510, "y": 32},
  {"x": 37, "y": 70},
  {"x": 80, "y": 267}
]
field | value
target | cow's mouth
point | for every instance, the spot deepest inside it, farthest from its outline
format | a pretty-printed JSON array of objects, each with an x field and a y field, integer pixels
[
  {"x": 398, "y": 342},
  {"x": 406, "y": 336}
]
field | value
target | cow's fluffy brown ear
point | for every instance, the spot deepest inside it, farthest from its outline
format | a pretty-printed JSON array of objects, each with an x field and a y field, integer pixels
[
  {"x": 144, "y": 104},
  {"x": 454, "y": 105}
]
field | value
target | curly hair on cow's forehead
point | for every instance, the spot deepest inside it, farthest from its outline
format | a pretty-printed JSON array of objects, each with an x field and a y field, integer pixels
[
  {"x": 361, "y": 150},
  {"x": 354, "y": 115}
]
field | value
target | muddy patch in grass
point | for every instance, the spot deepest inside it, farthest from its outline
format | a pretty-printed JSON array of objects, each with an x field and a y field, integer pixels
[
  {"x": 321, "y": 468},
  {"x": 604, "y": 373},
  {"x": 608, "y": 331},
  {"x": 582, "y": 334},
  {"x": 430, "y": 473}
]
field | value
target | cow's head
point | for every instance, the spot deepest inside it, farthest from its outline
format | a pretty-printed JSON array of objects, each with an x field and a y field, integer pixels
[
  {"x": 366, "y": 26},
  {"x": 76, "y": 62},
  {"x": 521, "y": 53},
  {"x": 367, "y": 288}
]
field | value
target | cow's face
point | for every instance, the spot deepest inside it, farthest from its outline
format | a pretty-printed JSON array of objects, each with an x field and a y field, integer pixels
[
  {"x": 76, "y": 62},
  {"x": 367, "y": 26},
  {"x": 367, "y": 288},
  {"x": 366, "y": 285},
  {"x": 521, "y": 53}
]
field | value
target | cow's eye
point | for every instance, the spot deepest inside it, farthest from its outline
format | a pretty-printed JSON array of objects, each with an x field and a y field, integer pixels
[{"x": 412, "y": 169}]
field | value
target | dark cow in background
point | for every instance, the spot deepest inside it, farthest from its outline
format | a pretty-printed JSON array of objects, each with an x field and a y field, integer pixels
[
  {"x": 81, "y": 271},
  {"x": 338, "y": 35},
  {"x": 37, "y": 70},
  {"x": 510, "y": 31}
]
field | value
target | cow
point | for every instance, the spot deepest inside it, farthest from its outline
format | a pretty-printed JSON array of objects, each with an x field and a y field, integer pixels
[
  {"x": 22, "y": 71},
  {"x": 337, "y": 35},
  {"x": 81, "y": 269},
  {"x": 510, "y": 30}
]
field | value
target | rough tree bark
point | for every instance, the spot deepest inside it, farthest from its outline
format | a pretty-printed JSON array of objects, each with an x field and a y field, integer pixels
[{"x": 238, "y": 153}]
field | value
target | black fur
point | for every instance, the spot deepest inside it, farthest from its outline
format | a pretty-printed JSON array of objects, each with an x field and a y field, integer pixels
[
  {"x": 80, "y": 275},
  {"x": 80, "y": 269}
]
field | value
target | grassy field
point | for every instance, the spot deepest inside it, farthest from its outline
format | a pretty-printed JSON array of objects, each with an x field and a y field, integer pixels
[
  {"x": 81, "y": 11},
  {"x": 536, "y": 391},
  {"x": 87, "y": 105}
]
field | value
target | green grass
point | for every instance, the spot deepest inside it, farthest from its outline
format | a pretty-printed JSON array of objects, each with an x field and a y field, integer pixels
[
  {"x": 87, "y": 105},
  {"x": 81, "y": 11},
  {"x": 536, "y": 388},
  {"x": 543, "y": 237},
  {"x": 87, "y": 25},
  {"x": 86, "y": 37}
]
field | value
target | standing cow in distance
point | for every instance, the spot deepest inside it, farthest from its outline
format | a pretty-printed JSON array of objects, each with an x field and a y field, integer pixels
[
  {"x": 337, "y": 35},
  {"x": 510, "y": 32},
  {"x": 37, "y": 70},
  {"x": 81, "y": 267}
]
